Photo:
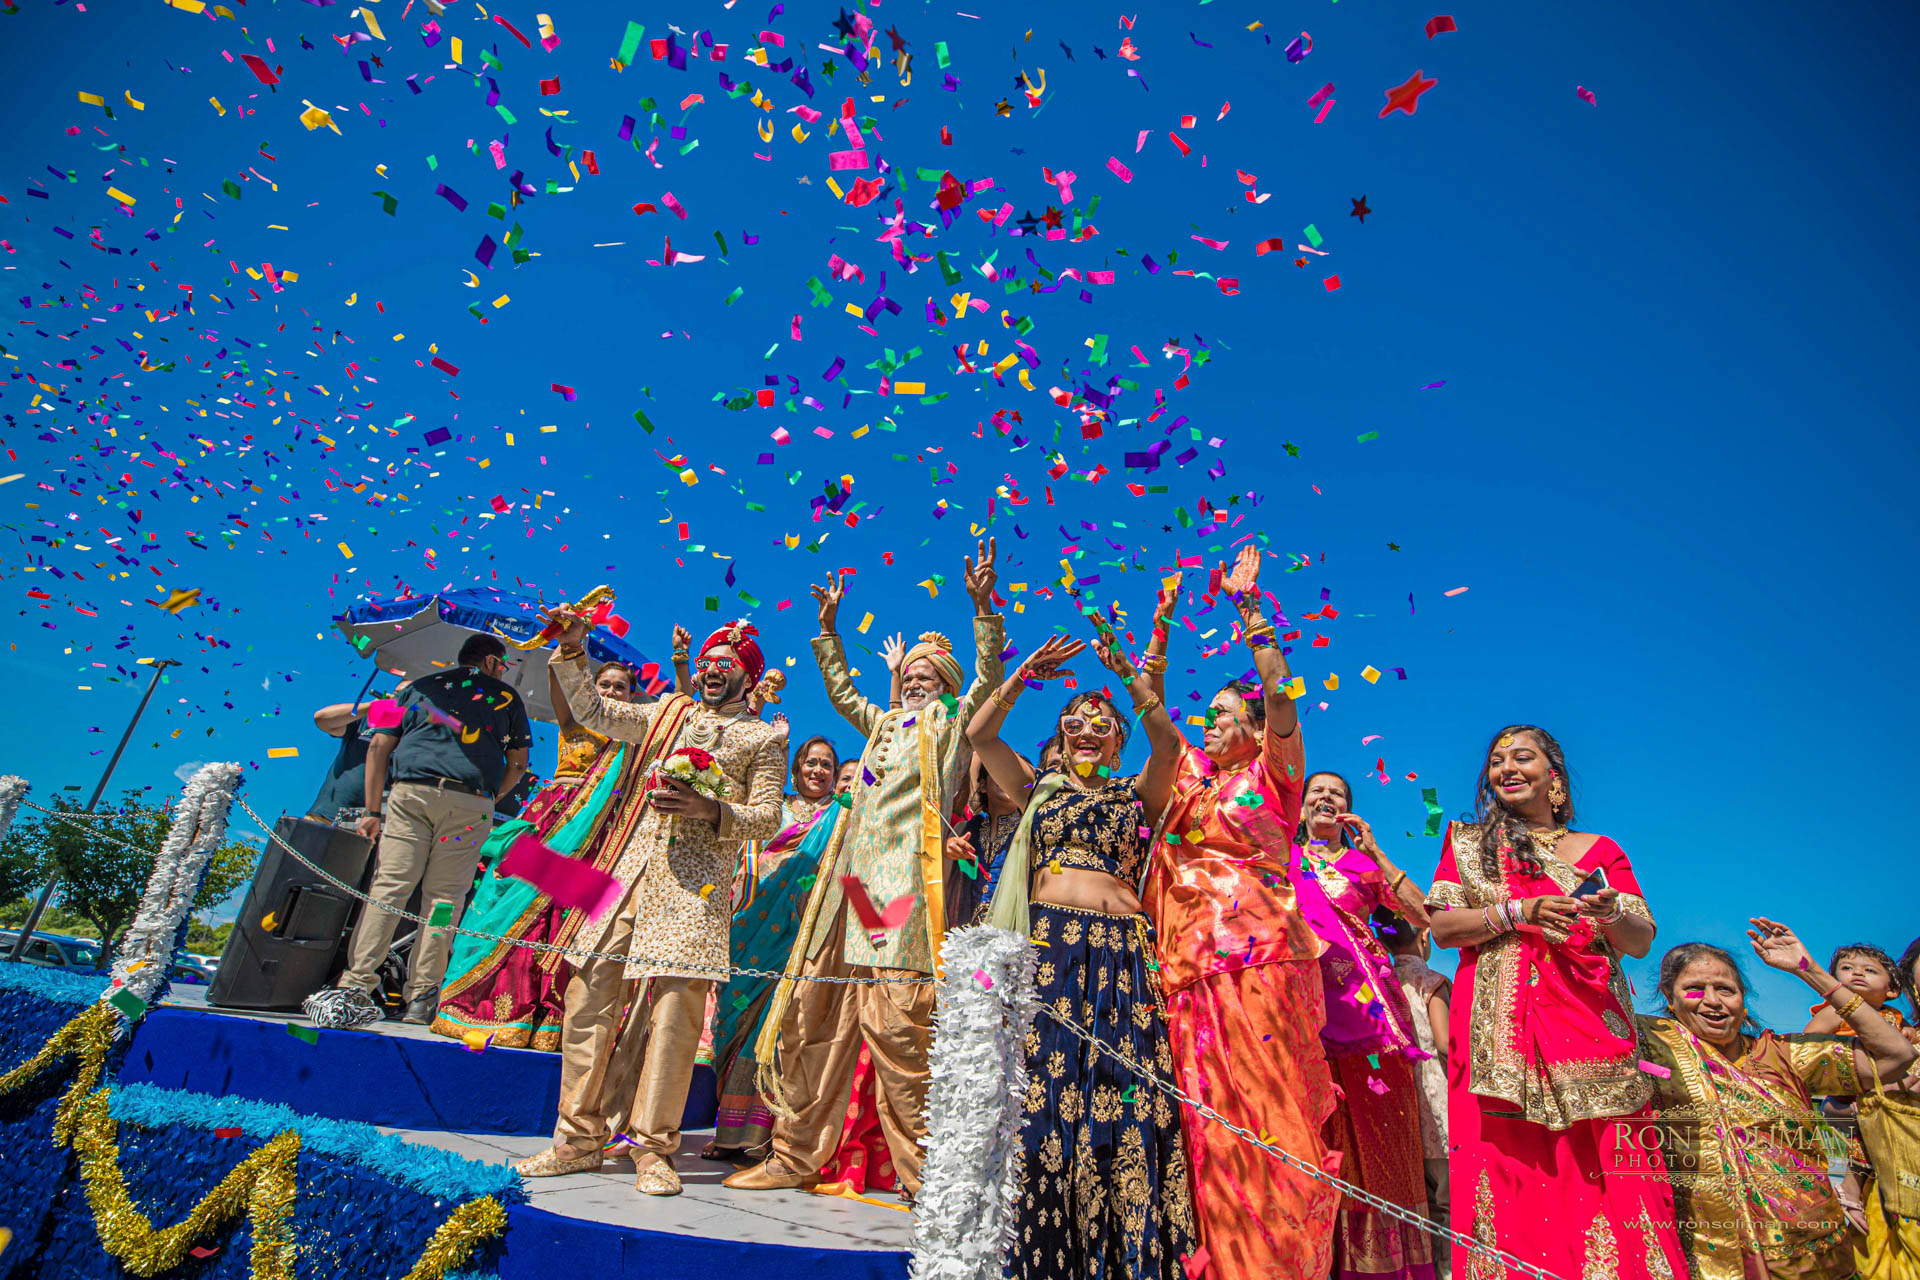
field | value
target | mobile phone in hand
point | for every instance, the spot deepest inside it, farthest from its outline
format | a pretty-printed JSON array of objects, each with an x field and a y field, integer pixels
[{"x": 1596, "y": 881}]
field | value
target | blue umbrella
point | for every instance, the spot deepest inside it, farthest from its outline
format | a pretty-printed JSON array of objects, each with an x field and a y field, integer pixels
[{"x": 418, "y": 635}]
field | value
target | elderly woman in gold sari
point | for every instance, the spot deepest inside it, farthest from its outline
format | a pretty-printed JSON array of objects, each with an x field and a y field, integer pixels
[{"x": 1735, "y": 1125}]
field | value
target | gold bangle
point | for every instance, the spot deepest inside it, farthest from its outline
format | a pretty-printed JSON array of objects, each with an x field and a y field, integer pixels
[
  {"x": 1153, "y": 664},
  {"x": 1146, "y": 704},
  {"x": 1846, "y": 1010},
  {"x": 570, "y": 651},
  {"x": 1003, "y": 703},
  {"x": 681, "y": 655},
  {"x": 1393, "y": 885},
  {"x": 1262, "y": 628}
]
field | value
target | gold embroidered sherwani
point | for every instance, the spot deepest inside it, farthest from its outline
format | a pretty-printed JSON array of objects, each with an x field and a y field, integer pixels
[
  {"x": 891, "y": 826},
  {"x": 671, "y": 922}
]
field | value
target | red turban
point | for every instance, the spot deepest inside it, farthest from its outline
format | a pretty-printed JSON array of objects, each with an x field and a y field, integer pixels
[{"x": 740, "y": 636}]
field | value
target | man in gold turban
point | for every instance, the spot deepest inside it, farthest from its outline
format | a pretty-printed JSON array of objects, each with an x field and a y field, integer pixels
[{"x": 893, "y": 841}]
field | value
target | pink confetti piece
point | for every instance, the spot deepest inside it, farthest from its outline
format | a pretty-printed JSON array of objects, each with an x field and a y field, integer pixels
[
  {"x": 385, "y": 714},
  {"x": 980, "y": 976},
  {"x": 1324, "y": 108},
  {"x": 1586, "y": 95},
  {"x": 1655, "y": 1069},
  {"x": 674, "y": 205},
  {"x": 1456, "y": 591},
  {"x": 839, "y": 160},
  {"x": 567, "y": 881},
  {"x": 1326, "y": 91},
  {"x": 1120, "y": 171}
]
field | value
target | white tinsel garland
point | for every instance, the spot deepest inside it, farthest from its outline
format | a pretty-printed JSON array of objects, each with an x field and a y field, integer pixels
[
  {"x": 13, "y": 789},
  {"x": 199, "y": 829},
  {"x": 963, "y": 1219}
]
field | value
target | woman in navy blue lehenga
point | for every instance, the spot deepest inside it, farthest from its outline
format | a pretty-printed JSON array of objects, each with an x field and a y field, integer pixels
[{"x": 1104, "y": 1190}]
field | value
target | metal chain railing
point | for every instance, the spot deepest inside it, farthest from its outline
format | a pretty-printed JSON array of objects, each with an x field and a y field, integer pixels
[
  {"x": 572, "y": 953},
  {"x": 74, "y": 817},
  {"x": 1398, "y": 1212}
]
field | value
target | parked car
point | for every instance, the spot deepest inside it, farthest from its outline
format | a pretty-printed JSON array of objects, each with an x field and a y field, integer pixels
[{"x": 53, "y": 950}]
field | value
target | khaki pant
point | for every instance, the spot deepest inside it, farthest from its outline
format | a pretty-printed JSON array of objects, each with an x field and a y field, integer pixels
[
  {"x": 820, "y": 1045},
  {"x": 626, "y": 1077},
  {"x": 429, "y": 838}
]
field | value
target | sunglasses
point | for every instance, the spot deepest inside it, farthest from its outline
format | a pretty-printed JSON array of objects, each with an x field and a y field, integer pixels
[
  {"x": 1098, "y": 726},
  {"x": 722, "y": 665}
]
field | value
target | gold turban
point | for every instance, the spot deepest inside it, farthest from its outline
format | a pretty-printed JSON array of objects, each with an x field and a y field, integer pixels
[{"x": 938, "y": 650}]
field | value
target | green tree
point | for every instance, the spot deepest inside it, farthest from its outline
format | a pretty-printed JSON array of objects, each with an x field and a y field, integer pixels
[
  {"x": 20, "y": 869},
  {"x": 105, "y": 861}
]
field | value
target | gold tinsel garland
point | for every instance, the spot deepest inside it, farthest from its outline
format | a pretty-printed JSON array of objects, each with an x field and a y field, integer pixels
[{"x": 263, "y": 1183}]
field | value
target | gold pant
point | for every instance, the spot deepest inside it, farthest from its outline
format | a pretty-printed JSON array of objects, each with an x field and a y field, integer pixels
[
  {"x": 627, "y": 1076},
  {"x": 820, "y": 1045}
]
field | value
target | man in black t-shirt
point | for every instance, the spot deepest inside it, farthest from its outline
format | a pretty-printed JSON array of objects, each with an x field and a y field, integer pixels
[
  {"x": 460, "y": 745},
  {"x": 342, "y": 797}
]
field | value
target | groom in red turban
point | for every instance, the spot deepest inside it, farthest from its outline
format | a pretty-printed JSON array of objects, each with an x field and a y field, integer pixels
[{"x": 729, "y": 665}]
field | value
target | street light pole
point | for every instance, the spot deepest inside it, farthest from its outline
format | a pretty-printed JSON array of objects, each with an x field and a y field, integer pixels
[{"x": 160, "y": 666}]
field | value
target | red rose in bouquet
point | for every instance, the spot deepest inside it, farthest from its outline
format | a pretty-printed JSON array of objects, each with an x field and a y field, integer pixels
[{"x": 700, "y": 760}]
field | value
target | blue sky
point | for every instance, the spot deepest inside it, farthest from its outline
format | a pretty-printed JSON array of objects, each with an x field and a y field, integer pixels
[{"x": 1668, "y": 461}]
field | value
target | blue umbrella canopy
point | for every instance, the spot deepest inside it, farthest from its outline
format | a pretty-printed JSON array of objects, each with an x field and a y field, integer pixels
[{"x": 418, "y": 635}]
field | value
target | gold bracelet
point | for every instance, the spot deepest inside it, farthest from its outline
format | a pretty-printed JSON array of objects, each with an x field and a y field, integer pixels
[
  {"x": 1147, "y": 704},
  {"x": 570, "y": 651},
  {"x": 680, "y": 655},
  {"x": 1004, "y": 703},
  {"x": 1262, "y": 628},
  {"x": 1393, "y": 885},
  {"x": 1846, "y": 1010},
  {"x": 1153, "y": 663}
]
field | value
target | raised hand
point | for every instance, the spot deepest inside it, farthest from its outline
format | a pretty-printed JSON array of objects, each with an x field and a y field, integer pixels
[
  {"x": 893, "y": 652},
  {"x": 1164, "y": 605},
  {"x": 1362, "y": 833},
  {"x": 1244, "y": 580},
  {"x": 1777, "y": 946},
  {"x": 1045, "y": 662},
  {"x": 682, "y": 639},
  {"x": 829, "y": 598},
  {"x": 779, "y": 722},
  {"x": 981, "y": 575},
  {"x": 573, "y": 628}
]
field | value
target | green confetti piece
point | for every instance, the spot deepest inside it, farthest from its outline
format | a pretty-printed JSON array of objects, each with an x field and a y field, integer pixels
[
  {"x": 442, "y": 914},
  {"x": 940, "y": 54},
  {"x": 641, "y": 418},
  {"x": 713, "y": 604},
  {"x": 734, "y": 297},
  {"x": 951, "y": 703},
  {"x": 1430, "y": 796},
  {"x": 310, "y": 1034},
  {"x": 388, "y": 204},
  {"x": 129, "y": 1004},
  {"x": 1373, "y": 1060},
  {"x": 969, "y": 868},
  {"x": 1367, "y": 436},
  {"x": 231, "y": 187},
  {"x": 752, "y": 601},
  {"x": 1313, "y": 235},
  {"x": 630, "y": 43}
]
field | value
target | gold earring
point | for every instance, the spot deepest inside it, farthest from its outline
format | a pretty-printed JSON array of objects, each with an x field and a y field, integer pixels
[{"x": 1556, "y": 793}]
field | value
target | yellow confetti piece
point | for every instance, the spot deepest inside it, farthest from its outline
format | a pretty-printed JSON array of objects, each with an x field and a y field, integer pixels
[
  {"x": 910, "y": 388},
  {"x": 1370, "y": 675},
  {"x": 93, "y": 99},
  {"x": 1297, "y": 687},
  {"x": 501, "y": 301},
  {"x": 121, "y": 196},
  {"x": 282, "y": 753},
  {"x": 864, "y": 624},
  {"x": 313, "y": 117},
  {"x": 834, "y": 187},
  {"x": 216, "y": 105},
  {"x": 933, "y": 592},
  {"x": 133, "y": 102},
  {"x": 269, "y": 920},
  {"x": 346, "y": 551},
  {"x": 190, "y": 6},
  {"x": 706, "y": 891},
  {"x": 374, "y": 26},
  {"x": 477, "y": 1040},
  {"x": 1332, "y": 681},
  {"x": 853, "y": 309},
  {"x": 456, "y": 49},
  {"x": 548, "y": 430}
]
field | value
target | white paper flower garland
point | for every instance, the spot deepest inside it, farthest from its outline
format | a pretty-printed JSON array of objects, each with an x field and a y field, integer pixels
[
  {"x": 13, "y": 789},
  {"x": 963, "y": 1219},
  {"x": 199, "y": 828}
]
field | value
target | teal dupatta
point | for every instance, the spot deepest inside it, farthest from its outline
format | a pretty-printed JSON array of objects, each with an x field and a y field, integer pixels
[{"x": 501, "y": 901}]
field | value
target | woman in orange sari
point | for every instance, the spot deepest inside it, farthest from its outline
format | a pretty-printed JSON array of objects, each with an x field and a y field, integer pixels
[
  {"x": 1240, "y": 965},
  {"x": 1544, "y": 1051}
]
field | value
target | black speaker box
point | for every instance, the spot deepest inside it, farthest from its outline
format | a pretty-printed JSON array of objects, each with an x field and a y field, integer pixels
[{"x": 290, "y": 939}]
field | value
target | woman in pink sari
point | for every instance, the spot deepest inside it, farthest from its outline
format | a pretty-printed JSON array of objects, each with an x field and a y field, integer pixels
[
  {"x": 1544, "y": 1047},
  {"x": 1369, "y": 1036}
]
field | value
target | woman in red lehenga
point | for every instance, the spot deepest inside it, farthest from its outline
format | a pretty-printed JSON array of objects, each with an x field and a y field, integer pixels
[{"x": 1544, "y": 1049}]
